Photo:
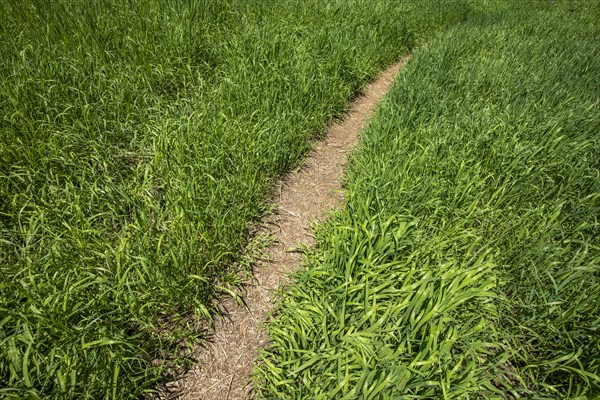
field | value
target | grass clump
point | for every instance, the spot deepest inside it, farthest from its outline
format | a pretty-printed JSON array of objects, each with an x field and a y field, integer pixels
[
  {"x": 137, "y": 142},
  {"x": 466, "y": 261}
]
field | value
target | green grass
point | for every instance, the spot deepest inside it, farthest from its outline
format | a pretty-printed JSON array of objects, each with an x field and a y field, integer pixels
[
  {"x": 466, "y": 262},
  {"x": 138, "y": 141}
]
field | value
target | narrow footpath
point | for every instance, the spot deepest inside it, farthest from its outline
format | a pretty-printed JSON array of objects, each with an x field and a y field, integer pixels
[{"x": 303, "y": 198}]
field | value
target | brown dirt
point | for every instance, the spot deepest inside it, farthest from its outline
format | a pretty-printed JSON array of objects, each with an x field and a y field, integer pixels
[{"x": 302, "y": 198}]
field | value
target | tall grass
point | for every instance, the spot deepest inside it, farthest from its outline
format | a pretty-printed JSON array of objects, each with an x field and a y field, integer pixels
[
  {"x": 137, "y": 142},
  {"x": 466, "y": 263}
]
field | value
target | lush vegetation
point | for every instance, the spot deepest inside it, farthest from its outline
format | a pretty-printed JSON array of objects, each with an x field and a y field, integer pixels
[
  {"x": 137, "y": 142},
  {"x": 466, "y": 263}
]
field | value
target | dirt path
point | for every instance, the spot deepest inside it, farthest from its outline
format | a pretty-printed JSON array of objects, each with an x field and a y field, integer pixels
[{"x": 304, "y": 197}]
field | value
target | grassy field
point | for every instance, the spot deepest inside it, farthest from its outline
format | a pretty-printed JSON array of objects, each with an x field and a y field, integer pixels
[
  {"x": 466, "y": 263},
  {"x": 138, "y": 141}
]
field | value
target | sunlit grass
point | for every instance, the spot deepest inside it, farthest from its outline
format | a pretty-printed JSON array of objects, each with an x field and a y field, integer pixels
[
  {"x": 466, "y": 263},
  {"x": 137, "y": 142}
]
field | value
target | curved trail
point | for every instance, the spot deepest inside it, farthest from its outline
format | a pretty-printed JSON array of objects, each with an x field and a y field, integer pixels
[{"x": 303, "y": 198}]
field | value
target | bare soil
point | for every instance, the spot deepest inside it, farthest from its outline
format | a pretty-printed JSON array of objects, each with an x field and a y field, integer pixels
[{"x": 302, "y": 198}]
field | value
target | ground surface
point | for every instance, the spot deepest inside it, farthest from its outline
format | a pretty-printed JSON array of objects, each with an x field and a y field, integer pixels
[{"x": 303, "y": 198}]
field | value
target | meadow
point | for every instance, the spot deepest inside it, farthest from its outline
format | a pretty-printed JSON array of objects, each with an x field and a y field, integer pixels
[
  {"x": 466, "y": 261},
  {"x": 138, "y": 143}
]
